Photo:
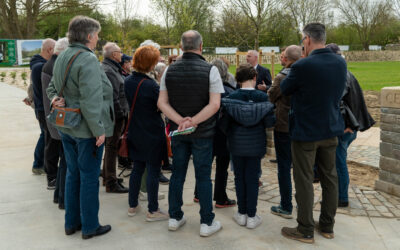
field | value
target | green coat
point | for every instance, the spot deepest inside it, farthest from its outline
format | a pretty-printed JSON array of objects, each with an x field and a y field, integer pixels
[{"x": 87, "y": 88}]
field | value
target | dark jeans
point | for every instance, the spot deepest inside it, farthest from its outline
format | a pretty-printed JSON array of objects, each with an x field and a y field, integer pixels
[
  {"x": 135, "y": 180},
  {"x": 60, "y": 181},
  {"x": 38, "y": 161},
  {"x": 284, "y": 158},
  {"x": 305, "y": 155},
  {"x": 247, "y": 171},
  {"x": 51, "y": 155},
  {"x": 344, "y": 142},
  {"x": 111, "y": 154},
  {"x": 82, "y": 182},
  {"x": 221, "y": 177},
  {"x": 201, "y": 149}
]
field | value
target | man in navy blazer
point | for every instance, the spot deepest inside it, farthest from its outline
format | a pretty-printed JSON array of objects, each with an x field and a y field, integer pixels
[
  {"x": 316, "y": 84},
  {"x": 263, "y": 81}
]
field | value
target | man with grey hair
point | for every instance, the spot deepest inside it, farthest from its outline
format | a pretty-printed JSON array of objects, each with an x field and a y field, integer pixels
[
  {"x": 111, "y": 66},
  {"x": 53, "y": 149},
  {"x": 190, "y": 95},
  {"x": 281, "y": 133},
  {"x": 263, "y": 81},
  {"x": 316, "y": 85},
  {"x": 36, "y": 65}
]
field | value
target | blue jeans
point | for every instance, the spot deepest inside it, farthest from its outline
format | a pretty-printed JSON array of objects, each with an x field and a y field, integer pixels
[
  {"x": 247, "y": 170},
  {"x": 344, "y": 142},
  {"x": 135, "y": 180},
  {"x": 284, "y": 158},
  {"x": 82, "y": 182},
  {"x": 38, "y": 156},
  {"x": 201, "y": 149}
]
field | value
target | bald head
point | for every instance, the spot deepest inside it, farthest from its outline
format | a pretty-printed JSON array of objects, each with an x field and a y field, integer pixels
[
  {"x": 112, "y": 51},
  {"x": 292, "y": 54},
  {"x": 47, "y": 48},
  {"x": 191, "y": 40},
  {"x": 252, "y": 57}
]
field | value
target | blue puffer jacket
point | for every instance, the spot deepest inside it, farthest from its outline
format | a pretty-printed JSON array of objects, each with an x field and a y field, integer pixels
[{"x": 245, "y": 124}]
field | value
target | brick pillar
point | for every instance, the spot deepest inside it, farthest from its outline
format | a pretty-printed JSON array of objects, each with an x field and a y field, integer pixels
[{"x": 389, "y": 163}]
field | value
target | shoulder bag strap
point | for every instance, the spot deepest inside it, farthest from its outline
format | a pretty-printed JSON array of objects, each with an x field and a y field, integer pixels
[
  {"x": 133, "y": 107},
  {"x": 67, "y": 72}
]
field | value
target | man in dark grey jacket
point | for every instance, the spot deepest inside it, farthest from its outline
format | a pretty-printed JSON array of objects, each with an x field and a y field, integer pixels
[
  {"x": 53, "y": 148},
  {"x": 112, "y": 57}
]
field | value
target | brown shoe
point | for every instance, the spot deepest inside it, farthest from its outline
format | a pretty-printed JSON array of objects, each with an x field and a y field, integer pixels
[
  {"x": 294, "y": 234},
  {"x": 328, "y": 235}
]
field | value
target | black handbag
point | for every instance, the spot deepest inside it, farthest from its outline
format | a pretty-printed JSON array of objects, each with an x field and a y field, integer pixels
[{"x": 65, "y": 117}]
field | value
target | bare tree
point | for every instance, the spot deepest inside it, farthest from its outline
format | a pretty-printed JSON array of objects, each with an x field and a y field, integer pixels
[
  {"x": 306, "y": 11},
  {"x": 165, "y": 7},
  {"x": 396, "y": 7},
  {"x": 366, "y": 16},
  {"x": 257, "y": 12},
  {"x": 124, "y": 12}
]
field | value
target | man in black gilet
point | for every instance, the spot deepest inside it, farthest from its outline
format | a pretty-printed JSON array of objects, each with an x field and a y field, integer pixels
[{"x": 190, "y": 95}]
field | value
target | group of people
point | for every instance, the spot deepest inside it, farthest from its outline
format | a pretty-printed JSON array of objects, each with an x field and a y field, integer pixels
[{"x": 315, "y": 105}]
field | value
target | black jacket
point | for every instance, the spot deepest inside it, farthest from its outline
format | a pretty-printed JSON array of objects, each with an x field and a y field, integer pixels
[
  {"x": 220, "y": 140},
  {"x": 245, "y": 124},
  {"x": 353, "y": 107},
  {"x": 263, "y": 75},
  {"x": 36, "y": 65},
  {"x": 114, "y": 73},
  {"x": 188, "y": 85},
  {"x": 316, "y": 85},
  {"x": 146, "y": 133}
]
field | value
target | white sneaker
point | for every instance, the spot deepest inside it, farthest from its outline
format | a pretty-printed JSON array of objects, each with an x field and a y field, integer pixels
[
  {"x": 132, "y": 211},
  {"x": 206, "y": 230},
  {"x": 240, "y": 218},
  {"x": 253, "y": 222},
  {"x": 174, "y": 224},
  {"x": 157, "y": 216},
  {"x": 143, "y": 196}
]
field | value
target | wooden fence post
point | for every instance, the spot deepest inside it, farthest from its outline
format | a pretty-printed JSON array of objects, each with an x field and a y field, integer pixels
[{"x": 273, "y": 64}]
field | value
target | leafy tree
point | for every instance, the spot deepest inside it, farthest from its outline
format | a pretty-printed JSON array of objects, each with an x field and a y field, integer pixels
[{"x": 365, "y": 16}]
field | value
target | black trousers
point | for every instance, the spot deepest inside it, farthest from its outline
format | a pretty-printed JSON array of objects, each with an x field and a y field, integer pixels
[
  {"x": 305, "y": 155},
  {"x": 111, "y": 154},
  {"x": 51, "y": 150}
]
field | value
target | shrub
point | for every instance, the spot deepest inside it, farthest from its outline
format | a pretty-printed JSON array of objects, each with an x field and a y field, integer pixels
[
  {"x": 2, "y": 75},
  {"x": 13, "y": 75}
]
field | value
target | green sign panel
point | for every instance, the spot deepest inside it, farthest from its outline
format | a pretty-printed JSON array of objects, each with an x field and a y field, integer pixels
[{"x": 8, "y": 55}]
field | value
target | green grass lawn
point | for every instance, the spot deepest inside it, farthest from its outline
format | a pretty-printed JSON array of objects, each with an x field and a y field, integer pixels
[{"x": 370, "y": 75}]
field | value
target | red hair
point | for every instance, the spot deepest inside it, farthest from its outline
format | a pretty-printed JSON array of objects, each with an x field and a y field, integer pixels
[{"x": 145, "y": 58}]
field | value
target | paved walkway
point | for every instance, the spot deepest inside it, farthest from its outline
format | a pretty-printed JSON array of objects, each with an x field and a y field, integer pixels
[
  {"x": 365, "y": 148},
  {"x": 29, "y": 219}
]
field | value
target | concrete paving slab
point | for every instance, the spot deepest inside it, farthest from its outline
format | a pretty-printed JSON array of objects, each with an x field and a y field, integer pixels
[{"x": 29, "y": 219}]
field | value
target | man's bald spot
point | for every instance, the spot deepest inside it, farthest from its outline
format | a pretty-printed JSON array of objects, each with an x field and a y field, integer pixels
[
  {"x": 253, "y": 52},
  {"x": 48, "y": 44},
  {"x": 293, "y": 53}
]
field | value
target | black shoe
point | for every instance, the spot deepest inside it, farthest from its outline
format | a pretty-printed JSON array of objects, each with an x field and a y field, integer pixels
[
  {"x": 55, "y": 200},
  {"x": 343, "y": 204},
  {"x": 99, "y": 231},
  {"x": 166, "y": 169},
  {"x": 273, "y": 161},
  {"x": 61, "y": 206},
  {"x": 51, "y": 185},
  {"x": 316, "y": 180},
  {"x": 120, "y": 180},
  {"x": 227, "y": 203},
  {"x": 73, "y": 230},
  {"x": 163, "y": 180},
  {"x": 117, "y": 188}
]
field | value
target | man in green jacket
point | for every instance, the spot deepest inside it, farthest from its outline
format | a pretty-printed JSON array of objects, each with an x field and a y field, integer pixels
[{"x": 88, "y": 89}]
